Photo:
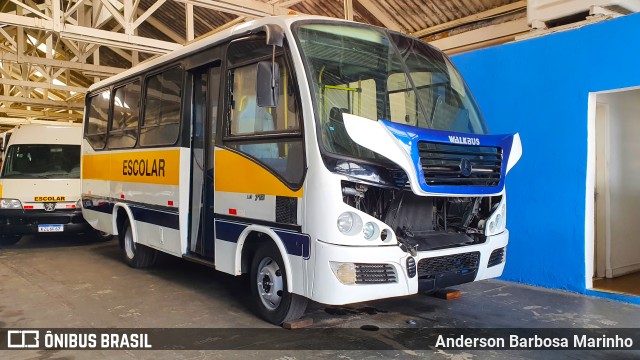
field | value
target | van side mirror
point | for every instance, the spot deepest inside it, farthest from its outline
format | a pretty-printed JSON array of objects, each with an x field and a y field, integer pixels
[{"x": 267, "y": 84}]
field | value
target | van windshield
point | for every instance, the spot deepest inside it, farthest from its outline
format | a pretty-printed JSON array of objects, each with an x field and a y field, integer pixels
[{"x": 42, "y": 161}]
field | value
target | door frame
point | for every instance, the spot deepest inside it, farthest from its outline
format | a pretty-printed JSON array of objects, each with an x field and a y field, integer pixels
[
  {"x": 590, "y": 214},
  {"x": 602, "y": 204}
]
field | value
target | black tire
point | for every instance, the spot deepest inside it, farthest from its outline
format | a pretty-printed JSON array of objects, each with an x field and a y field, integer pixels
[
  {"x": 101, "y": 236},
  {"x": 137, "y": 255},
  {"x": 272, "y": 300},
  {"x": 9, "y": 239}
]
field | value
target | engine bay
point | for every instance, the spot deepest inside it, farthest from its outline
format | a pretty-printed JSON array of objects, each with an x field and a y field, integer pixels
[{"x": 424, "y": 222}]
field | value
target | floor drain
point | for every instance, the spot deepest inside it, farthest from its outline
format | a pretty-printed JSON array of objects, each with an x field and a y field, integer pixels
[{"x": 369, "y": 328}]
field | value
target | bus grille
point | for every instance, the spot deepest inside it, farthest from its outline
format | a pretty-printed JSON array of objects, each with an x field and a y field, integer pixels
[
  {"x": 496, "y": 257},
  {"x": 444, "y": 164},
  {"x": 456, "y": 263},
  {"x": 375, "y": 274}
]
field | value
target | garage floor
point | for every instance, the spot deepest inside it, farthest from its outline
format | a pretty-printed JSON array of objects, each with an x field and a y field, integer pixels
[{"x": 71, "y": 282}]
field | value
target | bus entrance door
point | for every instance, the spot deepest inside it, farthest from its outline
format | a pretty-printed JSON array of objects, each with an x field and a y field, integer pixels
[{"x": 203, "y": 129}]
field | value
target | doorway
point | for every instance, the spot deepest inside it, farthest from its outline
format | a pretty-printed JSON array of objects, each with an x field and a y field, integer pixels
[
  {"x": 204, "y": 101},
  {"x": 616, "y": 260}
]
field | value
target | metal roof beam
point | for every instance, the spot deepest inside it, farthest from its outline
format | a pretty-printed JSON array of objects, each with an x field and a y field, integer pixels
[
  {"x": 124, "y": 41},
  {"x": 42, "y": 102},
  {"x": 42, "y": 114},
  {"x": 519, "y": 5},
  {"x": 41, "y": 85},
  {"x": 94, "y": 36},
  {"x": 381, "y": 15},
  {"x": 249, "y": 8}
]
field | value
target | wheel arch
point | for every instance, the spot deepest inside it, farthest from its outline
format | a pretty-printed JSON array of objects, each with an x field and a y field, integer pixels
[
  {"x": 250, "y": 239},
  {"x": 122, "y": 213}
]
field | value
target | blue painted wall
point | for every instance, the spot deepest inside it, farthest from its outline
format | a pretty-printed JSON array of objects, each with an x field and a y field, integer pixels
[{"x": 539, "y": 88}]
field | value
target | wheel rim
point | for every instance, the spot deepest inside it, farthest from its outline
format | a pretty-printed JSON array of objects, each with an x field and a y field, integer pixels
[
  {"x": 270, "y": 284},
  {"x": 129, "y": 245}
]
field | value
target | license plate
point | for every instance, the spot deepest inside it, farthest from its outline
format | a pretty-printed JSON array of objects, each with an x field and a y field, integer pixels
[{"x": 51, "y": 228}]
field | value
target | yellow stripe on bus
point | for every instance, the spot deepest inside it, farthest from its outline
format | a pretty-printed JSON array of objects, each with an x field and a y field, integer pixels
[
  {"x": 237, "y": 174},
  {"x": 147, "y": 167}
]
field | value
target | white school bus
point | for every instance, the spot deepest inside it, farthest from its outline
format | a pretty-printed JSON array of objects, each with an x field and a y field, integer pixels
[
  {"x": 328, "y": 160},
  {"x": 40, "y": 182}
]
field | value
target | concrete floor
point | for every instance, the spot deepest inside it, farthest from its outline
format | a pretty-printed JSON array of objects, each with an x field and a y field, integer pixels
[{"x": 71, "y": 282}]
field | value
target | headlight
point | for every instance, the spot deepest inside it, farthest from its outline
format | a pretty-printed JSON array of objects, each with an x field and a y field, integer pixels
[
  {"x": 349, "y": 223},
  {"x": 370, "y": 231},
  {"x": 10, "y": 204},
  {"x": 498, "y": 220},
  {"x": 79, "y": 204}
]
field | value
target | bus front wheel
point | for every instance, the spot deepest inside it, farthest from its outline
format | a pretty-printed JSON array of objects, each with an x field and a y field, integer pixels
[
  {"x": 137, "y": 255},
  {"x": 271, "y": 298}
]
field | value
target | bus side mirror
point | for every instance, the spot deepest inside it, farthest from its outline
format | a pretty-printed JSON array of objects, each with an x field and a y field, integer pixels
[{"x": 267, "y": 84}]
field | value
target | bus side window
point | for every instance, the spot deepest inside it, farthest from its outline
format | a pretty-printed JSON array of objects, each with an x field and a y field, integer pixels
[
  {"x": 126, "y": 110},
  {"x": 97, "y": 118},
  {"x": 257, "y": 131},
  {"x": 161, "y": 119}
]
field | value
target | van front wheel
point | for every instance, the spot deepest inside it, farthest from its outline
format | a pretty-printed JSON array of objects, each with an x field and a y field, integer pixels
[{"x": 271, "y": 297}]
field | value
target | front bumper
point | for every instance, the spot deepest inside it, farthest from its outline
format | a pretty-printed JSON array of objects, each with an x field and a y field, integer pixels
[
  {"x": 327, "y": 289},
  {"x": 23, "y": 222}
]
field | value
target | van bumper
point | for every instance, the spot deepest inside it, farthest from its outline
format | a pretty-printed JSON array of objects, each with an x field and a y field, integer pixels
[{"x": 23, "y": 222}]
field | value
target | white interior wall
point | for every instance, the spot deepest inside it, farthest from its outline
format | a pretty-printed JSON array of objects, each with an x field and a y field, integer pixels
[{"x": 624, "y": 180}]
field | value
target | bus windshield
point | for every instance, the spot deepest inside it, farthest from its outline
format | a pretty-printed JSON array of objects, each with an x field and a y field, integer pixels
[
  {"x": 376, "y": 74},
  {"x": 42, "y": 161}
]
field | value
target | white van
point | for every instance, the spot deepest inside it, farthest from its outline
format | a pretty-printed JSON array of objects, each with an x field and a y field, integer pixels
[{"x": 40, "y": 182}]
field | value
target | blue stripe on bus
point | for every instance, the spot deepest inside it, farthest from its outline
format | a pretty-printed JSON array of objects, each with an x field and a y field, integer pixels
[
  {"x": 151, "y": 216},
  {"x": 155, "y": 217},
  {"x": 296, "y": 244}
]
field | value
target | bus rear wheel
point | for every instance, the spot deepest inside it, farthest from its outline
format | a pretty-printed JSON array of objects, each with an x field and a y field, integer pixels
[
  {"x": 9, "y": 239},
  {"x": 271, "y": 297},
  {"x": 137, "y": 255}
]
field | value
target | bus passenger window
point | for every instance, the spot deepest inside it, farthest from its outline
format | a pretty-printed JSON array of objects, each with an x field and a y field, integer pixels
[
  {"x": 161, "y": 120},
  {"x": 126, "y": 110},
  {"x": 97, "y": 117}
]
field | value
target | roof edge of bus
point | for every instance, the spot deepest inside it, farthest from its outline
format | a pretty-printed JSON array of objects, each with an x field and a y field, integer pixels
[{"x": 239, "y": 29}]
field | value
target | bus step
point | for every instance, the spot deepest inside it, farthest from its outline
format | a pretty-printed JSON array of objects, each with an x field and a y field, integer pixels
[{"x": 199, "y": 260}]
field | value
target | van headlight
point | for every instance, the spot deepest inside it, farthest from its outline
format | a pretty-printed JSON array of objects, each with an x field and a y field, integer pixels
[
  {"x": 497, "y": 222},
  {"x": 10, "y": 204},
  {"x": 349, "y": 223}
]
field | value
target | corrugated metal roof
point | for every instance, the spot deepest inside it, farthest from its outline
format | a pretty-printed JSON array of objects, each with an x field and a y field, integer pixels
[{"x": 409, "y": 15}]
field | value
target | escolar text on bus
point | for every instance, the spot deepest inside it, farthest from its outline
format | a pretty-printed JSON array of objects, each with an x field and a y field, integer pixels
[
  {"x": 49, "y": 198},
  {"x": 143, "y": 167}
]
